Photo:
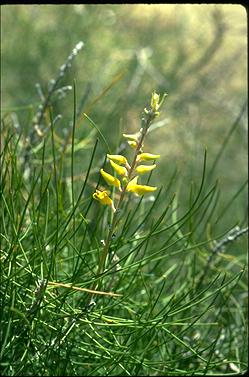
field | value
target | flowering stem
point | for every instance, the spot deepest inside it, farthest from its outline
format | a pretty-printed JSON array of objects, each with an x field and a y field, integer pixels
[{"x": 102, "y": 262}]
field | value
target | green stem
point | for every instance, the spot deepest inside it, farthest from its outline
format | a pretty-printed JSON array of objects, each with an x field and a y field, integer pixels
[{"x": 107, "y": 244}]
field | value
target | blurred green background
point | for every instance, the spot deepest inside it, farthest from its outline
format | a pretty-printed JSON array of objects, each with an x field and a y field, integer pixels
[{"x": 195, "y": 53}]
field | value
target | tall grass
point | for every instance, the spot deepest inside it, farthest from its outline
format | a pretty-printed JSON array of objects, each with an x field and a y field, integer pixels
[{"x": 161, "y": 314}]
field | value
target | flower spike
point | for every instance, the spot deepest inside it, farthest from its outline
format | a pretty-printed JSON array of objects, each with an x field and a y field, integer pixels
[{"x": 128, "y": 179}]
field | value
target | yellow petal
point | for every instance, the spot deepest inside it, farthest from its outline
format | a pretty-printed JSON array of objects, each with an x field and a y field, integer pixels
[
  {"x": 110, "y": 179},
  {"x": 142, "y": 189},
  {"x": 118, "y": 158},
  {"x": 132, "y": 183},
  {"x": 102, "y": 197},
  {"x": 142, "y": 169},
  {"x": 132, "y": 143},
  {"x": 147, "y": 157},
  {"x": 132, "y": 137},
  {"x": 119, "y": 169}
]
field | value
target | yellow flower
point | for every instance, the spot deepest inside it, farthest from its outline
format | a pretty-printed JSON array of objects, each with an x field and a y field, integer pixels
[
  {"x": 142, "y": 169},
  {"x": 132, "y": 143},
  {"x": 103, "y": 198},
  {"x": 132, "y": 137},
  {"x": 118, "y": 158},
  {"x": 110, "y": 179},
  {"x": 121, "y": 170},
  {"x": 132, "y": 183},
  {"x": 147, "y": 157},
  {"x": 141, "y": 189}
]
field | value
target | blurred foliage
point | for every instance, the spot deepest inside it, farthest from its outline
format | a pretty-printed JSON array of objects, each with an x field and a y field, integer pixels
[{"x": 195, "y": 53}]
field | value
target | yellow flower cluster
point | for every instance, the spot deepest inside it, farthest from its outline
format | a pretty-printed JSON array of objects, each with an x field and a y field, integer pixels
[
  {"x": 126, "y": 182},
  {"x": 128, "y": 174}
]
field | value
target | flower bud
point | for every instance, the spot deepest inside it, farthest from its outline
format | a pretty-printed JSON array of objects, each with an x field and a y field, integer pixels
[
  {"x": 147, "y": 157},
  {"x": 142, "y": 169},
  {"x": 110, "y": 180}
]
